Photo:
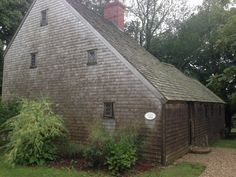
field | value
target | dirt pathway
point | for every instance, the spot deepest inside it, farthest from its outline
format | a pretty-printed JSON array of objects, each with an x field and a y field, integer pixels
[{"x": 220, "y": 162}]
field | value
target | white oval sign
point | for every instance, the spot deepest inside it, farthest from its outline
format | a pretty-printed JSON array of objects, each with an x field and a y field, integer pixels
[{"x": 150, "y": 116}]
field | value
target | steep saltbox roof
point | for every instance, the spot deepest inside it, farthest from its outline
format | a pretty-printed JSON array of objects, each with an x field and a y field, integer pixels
[{"x": 167, "y": 79}]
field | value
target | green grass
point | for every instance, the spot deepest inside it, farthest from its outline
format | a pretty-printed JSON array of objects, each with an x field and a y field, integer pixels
[
  {"x": 225, "y": 143},
  {"x": 183, "y": 169},
  {"x": 45, "y": 172}
]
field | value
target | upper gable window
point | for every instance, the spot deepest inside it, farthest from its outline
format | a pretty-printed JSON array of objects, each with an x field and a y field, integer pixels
[
  {"x": 44, "y": 17},
  {"x": 92, "y": 57},
  {"x": 33, "y": 61}
]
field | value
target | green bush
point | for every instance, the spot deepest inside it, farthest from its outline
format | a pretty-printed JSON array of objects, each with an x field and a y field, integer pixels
[
  {"x": 122, "y": 155},
  {"x": 69, "y": 149},
  {"x": 96, "y": 148},
  {"x": 32, "y": 132},
  {"x": 117, "y": 151},
  {"x": 8, "y": 109}
]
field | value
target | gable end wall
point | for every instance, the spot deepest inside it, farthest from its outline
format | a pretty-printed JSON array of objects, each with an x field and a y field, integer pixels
[{"x": 78, "y": 90}]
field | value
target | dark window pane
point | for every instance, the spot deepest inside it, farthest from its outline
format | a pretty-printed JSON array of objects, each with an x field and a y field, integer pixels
[
  {"x": 108, "y": 110},
  {"x": 44, "y": 18},
  {"x": 92, "y": 57},
  {"x": 33, "y": 60}
]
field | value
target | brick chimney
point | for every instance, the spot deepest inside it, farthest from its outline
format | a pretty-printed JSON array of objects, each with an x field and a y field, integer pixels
[{"x": 114, "y": 12}]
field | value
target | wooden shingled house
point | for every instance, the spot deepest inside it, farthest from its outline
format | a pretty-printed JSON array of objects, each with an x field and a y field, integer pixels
[{"x": 91, "y": 69}]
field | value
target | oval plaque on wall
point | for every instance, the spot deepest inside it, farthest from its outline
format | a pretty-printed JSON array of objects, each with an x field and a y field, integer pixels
[{"x": 150, "y": 116}]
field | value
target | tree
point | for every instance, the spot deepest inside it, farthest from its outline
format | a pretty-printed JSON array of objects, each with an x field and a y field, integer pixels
[
  {"x": 197, "y": 47},
  {"x": 11, "y": 14},
  {"x": 224, "y": 85},
  {"x": 155, "y": 16}
]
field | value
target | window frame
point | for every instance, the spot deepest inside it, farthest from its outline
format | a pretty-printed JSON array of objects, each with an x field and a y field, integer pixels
[
  {"x": 44, "y": 18},
  {"x": 90, "y": 61},
  {"x": 109, "y": 115},
  {"x": 33, "y": 61}
]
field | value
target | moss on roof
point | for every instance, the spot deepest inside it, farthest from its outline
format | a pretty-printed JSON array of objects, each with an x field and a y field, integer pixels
[{"x": 168, "y": 80}]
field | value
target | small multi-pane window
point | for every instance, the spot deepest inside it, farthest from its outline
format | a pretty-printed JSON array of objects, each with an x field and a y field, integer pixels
[
  {"x": 92, "y": 57},
  {"x": 108, "y": 110},
  {"x": 33, "y": 61},
  {"x": 44, "y": 17}
]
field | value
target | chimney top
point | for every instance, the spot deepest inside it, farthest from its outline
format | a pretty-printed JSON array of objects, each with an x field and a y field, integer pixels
[{"x": 114, "y": 12}]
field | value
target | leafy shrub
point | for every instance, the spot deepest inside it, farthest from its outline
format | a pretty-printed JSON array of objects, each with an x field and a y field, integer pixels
[
  {"x": 70, "y": 149},
  {"x": 98, "y": 140},
  {"x": 118, "y": 151},
  {"x": 122, "y": 156},
  {"x": 8, "y": 109},
  {"x": 32, "y": 133}
]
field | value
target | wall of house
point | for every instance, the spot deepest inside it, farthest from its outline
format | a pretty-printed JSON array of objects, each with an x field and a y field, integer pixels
[
  {"x": 208, "y": 122},
  {"x": 190, "y": 123},
  {"x": 79, "y": 91},
  {"x": 176, "y": 131}
]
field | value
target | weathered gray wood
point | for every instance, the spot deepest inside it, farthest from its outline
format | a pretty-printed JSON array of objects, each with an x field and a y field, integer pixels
[{"x": 63, "y": 75}]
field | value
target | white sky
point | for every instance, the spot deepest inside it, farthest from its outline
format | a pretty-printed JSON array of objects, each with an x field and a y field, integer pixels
[
  {"x": 195, "y": 2},
  {"x": 192, "y": 2}
]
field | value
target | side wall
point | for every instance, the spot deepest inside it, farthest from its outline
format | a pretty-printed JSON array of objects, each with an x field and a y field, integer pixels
[
  {"x": 78, "y": 90},
  {"x": 208, "y": 122},
  {"x": 176, "y": 131},
  {"x": 190, "y": 123}
]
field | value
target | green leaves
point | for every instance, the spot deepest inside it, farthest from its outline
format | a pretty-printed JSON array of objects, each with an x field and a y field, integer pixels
[
  {"x": 117, "y": 151},
  {"x": 121, "y": 156},
  {"x": 32, "y": 133},
  {"x": 224, "y": 84}
]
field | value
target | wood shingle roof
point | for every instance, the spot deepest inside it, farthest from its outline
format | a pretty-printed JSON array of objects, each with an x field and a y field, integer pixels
[{"x": 168, "y": 80}]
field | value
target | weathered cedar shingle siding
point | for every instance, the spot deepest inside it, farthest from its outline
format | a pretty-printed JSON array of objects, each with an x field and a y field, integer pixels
[
  {"x": 125, "y": 74},
  {"x": 62, "y": 74},
  {"x": 176, "y": 130},
  {"x": 210, "y": 127}
]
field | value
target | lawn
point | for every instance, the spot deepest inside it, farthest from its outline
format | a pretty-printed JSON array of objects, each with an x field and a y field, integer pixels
[
  {"x": 183, "y": 169},
  {"x": 225, "y": 143}
]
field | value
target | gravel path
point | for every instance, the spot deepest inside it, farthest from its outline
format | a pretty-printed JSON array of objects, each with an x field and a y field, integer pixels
[{"x": 219, "y": 163}]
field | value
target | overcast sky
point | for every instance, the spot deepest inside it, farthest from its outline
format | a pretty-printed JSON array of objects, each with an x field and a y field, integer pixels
[
  {"x": 196, "y": 2},
  {"x": 192, "y": 2}
]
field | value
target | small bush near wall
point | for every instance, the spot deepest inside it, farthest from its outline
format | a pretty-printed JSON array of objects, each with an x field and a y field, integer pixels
[
  {"x": 116, "y": 151},
  {"x": 32, "y": 132},
  {"x": 69, "y": 149}
]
